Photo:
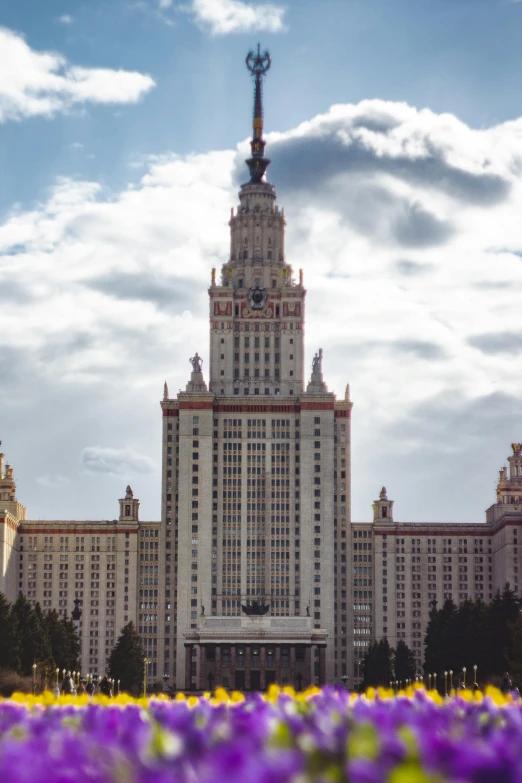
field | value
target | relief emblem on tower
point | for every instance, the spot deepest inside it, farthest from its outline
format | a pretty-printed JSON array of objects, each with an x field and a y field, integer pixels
[
  {"x": 257, "y": 297},
  {"x": 222, "y": 308},
  {"x": 291, "y": 308}
]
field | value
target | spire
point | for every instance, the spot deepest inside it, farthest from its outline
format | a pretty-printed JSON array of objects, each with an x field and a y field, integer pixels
[{"x": 258, "y": 64}]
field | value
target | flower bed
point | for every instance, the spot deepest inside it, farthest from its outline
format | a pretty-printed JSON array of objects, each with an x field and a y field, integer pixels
[{"x": 280, "y": 737}]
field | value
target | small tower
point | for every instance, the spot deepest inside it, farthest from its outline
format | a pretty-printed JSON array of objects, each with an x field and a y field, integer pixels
[
  {"x": 129, "y": 507},
  {"x": 8, "y": 501},
  {"x": 383, "y": 508}
]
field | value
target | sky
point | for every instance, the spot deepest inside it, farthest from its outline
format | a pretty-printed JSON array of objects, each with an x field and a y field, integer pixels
[{"x": 395, "y": 134}]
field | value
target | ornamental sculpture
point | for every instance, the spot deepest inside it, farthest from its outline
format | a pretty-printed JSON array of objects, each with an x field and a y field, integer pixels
[
  {"x": 317, "y": 362},
  {"x": 255, "y": 608},
  {"x": 196, "y": 362}
]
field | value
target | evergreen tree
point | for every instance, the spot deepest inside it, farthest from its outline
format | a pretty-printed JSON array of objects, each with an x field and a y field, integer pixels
[
  {"x": 9, "y": 643},
  {"x": 377, "y": 664},
  {"x": 46, "y": 652},
  {"x": 34, "y": 646},
  {"x": 386, "y": 655},
  {"x": 514, "y": 659},
  {"x": 63, "y": 639},
  {"x": 72, "y": 644},
  {"x": 370, "y": 666},
  {"x": 503, "y": 611},
  {"x": 404, "y": 662},
  {"x": 126, "y": 660},
  {"x": 441, "y": 652}
]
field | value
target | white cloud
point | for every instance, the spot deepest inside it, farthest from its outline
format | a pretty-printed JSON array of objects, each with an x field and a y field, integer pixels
[
  {"x": 163, "y": 4},
  {"x": 222, "y": 17},
  {"x": 43, "y": 83},
  {"x": 65, "y": 19},
  {"x": 407, "y": 224},
  {"x": 117, "y": 462}
]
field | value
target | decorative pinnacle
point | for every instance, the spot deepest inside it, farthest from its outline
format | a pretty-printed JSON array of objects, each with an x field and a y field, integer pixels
[{"x": 258, "y": 63}]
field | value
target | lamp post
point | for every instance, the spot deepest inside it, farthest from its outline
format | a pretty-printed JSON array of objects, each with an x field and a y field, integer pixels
[
  {"x": 475, "y": 675},
  {"x": 119, "y": 687},
  {"x": 76, "y": 615},
  {"x": 435, "y": 682},
  {"x": 429, "y": 682},
  {"x": 451, "y": 680},
  {"x": 34, "y": 679},
  {"x": 56, "y": 686},
  {"x": 464, "y": 676},
  {"x": 445, "y": 683},
  {"x": 166, "y": 682},
  {"x": 145, "y": 663},
  {"x": 344, "y": 680}
]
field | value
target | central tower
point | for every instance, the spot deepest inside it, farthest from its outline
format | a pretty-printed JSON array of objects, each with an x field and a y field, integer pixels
[
  {"x": 257, "y": 308},
  {"x": 250, "y": 487}
]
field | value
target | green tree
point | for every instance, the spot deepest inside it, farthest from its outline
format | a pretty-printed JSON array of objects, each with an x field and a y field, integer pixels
[
  {"x": 9, "y": 641},
  {"x": 503, "y": 612},
  {"x": 378, "y": 664},
  {"x": 126, "y": 660},
  {"x": 34, "y": 645},
  {"x": 72, "y": 644},
  {"x": 64, "y": 640},
  {"x": 404, "y": 662},
  {"x": 514, "y": 658},
  {"x": 440, "y": 650}
]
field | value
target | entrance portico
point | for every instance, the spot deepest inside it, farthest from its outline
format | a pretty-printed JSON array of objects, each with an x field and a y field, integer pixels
[{"x": 248, "y": 653}]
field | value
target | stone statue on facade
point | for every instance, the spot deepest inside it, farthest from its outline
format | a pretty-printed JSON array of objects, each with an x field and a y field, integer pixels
[
  {"x": 196, "y": 362},
  {"x": 316, "y": 384},
  {"x": 128, "y": 493},
  {"x": 317, "y": 362}
]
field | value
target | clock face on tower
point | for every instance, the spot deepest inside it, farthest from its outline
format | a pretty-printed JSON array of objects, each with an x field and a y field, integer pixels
[{"x": 257, "y": 297}]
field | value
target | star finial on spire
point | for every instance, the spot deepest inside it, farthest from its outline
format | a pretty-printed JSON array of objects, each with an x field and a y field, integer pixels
[{"x": 258, "y": 63}]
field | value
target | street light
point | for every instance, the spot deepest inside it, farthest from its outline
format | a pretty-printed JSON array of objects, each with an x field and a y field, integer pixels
[
  {"x": 435, "y": 682},
  {"x": 34, "y": 679},
  {"x": 445, "y": 683},
  {"x": 475, "y": 674},
  {"x": 451, "y": 680},
  {"x": 119, "y": 687},
  {"x": 429, "y": 682},
  {"x": 464, "y": 676},
  {"x": 145, "y": 662},
  {"x": 344, "y": 680}
]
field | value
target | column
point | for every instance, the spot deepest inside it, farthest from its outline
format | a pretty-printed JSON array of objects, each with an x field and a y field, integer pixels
[
  {"x": 219, "y": 677},
  {"x": 322, "y": 665},
  {"x": 292, "y": 676},
  {"x": 278, "y": 664},
  {"x": 232, "y": 667},
  {"x": 262, "y": 667},
  {"x": 188, "y": 666},
  {"x": 308, "y": 675},
  {"x": 248, "y": 667},
  {"x": 203, "y": 682}
]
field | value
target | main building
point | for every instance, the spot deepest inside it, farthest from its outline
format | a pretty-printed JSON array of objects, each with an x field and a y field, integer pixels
[{"x": 256, "y": 573}]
